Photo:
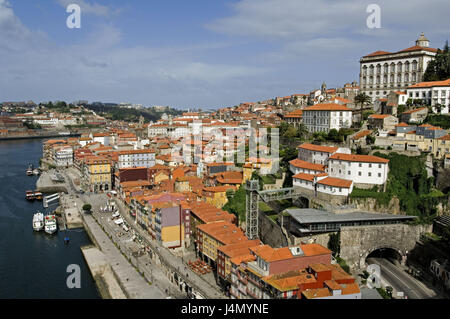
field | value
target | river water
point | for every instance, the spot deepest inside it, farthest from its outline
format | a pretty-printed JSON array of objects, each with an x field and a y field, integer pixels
[{"x": 34, "y": 265}]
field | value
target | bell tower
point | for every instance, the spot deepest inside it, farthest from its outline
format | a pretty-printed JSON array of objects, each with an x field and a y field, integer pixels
[{"x": 422, "y": 41}]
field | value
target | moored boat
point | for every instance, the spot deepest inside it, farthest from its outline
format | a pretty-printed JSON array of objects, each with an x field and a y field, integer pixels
[
  {"x": 38, "y": 221},
  {"x": 36, "y": 171},
  {"x": 29, "y": 195},
  {"x": 50, "y": 224},
  {"x": 38, "y": 195},
  {"x": 30, "y": 169}
]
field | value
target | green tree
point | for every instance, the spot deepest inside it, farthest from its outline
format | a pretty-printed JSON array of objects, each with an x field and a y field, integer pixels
[
  {"x": 362, "y": 99},
  {"x": 302, "y": 131},
  {"x": 334, "y": 244},
  {"x": 439, "y": 68},
  {"x": 333, "y": 135}
]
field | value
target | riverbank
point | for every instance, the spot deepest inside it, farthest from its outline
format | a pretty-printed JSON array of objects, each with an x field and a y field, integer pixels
[{"x": 37, "y": 136}]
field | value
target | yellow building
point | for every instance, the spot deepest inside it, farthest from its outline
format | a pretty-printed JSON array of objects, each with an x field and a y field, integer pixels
[
  {"x": 247, "y": 171},
  {"x": 97, "y": 173},
  {"x": 161, "y": 176},
  {"x": 217, "y": 195},
  {"x": 212, "y": 236},
  {"x": 263, "y": 165}
]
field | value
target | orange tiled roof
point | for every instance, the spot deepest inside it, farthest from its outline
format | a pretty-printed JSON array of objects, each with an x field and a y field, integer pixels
[
  {"x": 362, "y": 134},
  {"x": 379, "y": 116},
  {"x": 224, "y": 232},
  {"x": 304, "y": 176},
  {"x": 295, "y": 114},
  {"x": 318, "y": 148},
  {"x": 336, "y": 182},
  {"x": 430, "y": 84},
  {"x": 306, "y": 165},
  {"x": 327, "y": 107},
  {"x": 415, "y": 110},
  {"x": 359, "y": 158}
]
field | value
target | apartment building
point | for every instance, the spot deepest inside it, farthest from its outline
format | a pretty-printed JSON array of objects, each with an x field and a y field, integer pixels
[
  {"x": 382, "y": 122},
  {"x": 324, "y": 117},
  {"x": 434, "y": 93},
  {"x": 226, "y": 253},
  {"x": 415, "y": 115},
  {"x": 63, "y": 156},
  {"x": 136, "y": 158},
  {"x": 363, "y": 170},
  {"x": 250, "y": 273},
  {"x": 294, "y": 118},
  {"x": 97, "y": 173},
  {"x": 214, "y": 235},
  {"x": 382, "y": 72}
]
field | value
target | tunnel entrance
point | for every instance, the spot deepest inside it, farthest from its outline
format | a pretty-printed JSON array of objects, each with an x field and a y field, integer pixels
[{"x": 390, "y": 254}]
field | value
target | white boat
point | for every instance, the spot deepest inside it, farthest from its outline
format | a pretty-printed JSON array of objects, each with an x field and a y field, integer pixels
[
  {"x": 30, "y": 170},
  {"x": 119, "y": 221},
  {"x": 50, "y": 224},
  {"x": 36, "y": 171},
  {"x": 38, "y": 221},
  {"x": 116, "y": 214}
]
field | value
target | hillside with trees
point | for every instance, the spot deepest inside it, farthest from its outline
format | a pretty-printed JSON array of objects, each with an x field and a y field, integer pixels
[{"x": 439, "y": 68}]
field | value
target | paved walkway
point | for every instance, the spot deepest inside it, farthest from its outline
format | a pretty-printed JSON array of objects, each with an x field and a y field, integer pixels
[
  {"x": 207, "y": 289},
  {"x": 135, "y": 286}
]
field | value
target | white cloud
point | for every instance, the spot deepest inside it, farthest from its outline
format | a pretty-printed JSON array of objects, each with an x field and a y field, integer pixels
[
  {"x": 287, "y": 19},
  {"x": 101, "y": 68},
  {"x": 91, "y": 7}
]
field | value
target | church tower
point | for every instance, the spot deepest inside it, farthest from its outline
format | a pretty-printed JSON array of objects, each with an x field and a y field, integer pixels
[
  {"x": 422, "y": 41},
  {"x": 324, "y": 89}
]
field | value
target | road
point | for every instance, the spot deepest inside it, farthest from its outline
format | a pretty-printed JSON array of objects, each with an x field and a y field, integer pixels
[
  {"x": 208, "y": 289},
  {"x": 401, "y": 281}
]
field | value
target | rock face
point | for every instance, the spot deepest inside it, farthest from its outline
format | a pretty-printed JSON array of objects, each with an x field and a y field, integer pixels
[
  {"x": 371, "y": 205},
  {"x": 358, "y": 242}
]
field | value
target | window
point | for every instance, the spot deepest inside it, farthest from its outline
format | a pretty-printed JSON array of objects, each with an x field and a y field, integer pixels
[
  {"x": 370, "y": 174},
  {"x": 379, "y": 174},
  {"x": 359, "y": 173},
  {"x": 360, "y": 165},
  {"x": 370, "y": 165},
  {"x": 349, "y": 173},
  {"x": 379, "y": 165}
]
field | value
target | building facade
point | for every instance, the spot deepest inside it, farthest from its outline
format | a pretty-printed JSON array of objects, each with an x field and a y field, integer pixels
[
  {"x": 382, "y": 72},
  {"x": 324, "y": 117}
]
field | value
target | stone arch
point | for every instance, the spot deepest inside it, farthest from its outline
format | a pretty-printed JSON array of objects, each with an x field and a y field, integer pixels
[{"x": 367, "y": 252}]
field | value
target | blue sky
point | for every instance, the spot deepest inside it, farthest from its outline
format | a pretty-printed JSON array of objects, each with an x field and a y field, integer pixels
[{"x": 198, "y": 53}]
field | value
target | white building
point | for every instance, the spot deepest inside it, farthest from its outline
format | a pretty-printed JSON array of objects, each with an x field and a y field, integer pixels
[
  {"x": 361, "y": 169},
  {"x": 335, "y": 186},
  {"x": 157, "y": 130},
  {"x": 136, "y": 158},
  {"x": 63, "y": 156},
  {"x": 382, "y": 72},
  {"x": 318, "y": 154},
  {"x": 324, "y": 117},
  {"x": 322, "y": 183},
  {"x": 298, "y": 166},
  {"x": 103, "y": 138},
  {"x": 433, "y": 93}
]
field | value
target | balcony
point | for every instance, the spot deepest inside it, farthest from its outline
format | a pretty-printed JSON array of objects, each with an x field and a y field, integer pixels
[
  {"x": 252, "y": 294},
  {"x": 242, "y": 279}
]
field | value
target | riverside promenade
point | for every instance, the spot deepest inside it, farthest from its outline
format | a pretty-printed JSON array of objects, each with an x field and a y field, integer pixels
[
  {"x": 133, "y": 284},
  {"x": 163, "y": 268}
]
